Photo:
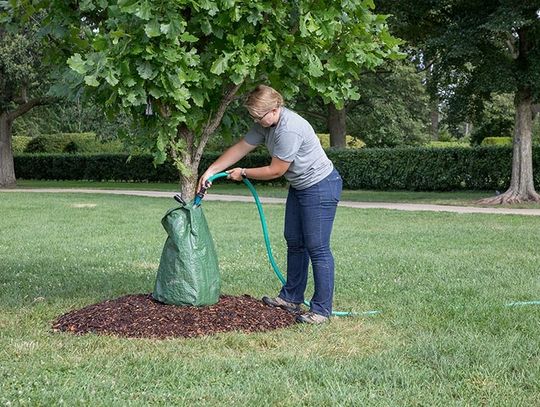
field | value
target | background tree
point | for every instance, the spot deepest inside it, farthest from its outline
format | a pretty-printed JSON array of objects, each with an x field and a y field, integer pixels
[
  {"x": 72, "y": 116},
  {"x": 177, "y": 66},
  {"x": 23, "y": 80},
  {"x": 479, "y": 49},
  {"x": 495, "y": 120},
  {"x": 392, "y": 109}
]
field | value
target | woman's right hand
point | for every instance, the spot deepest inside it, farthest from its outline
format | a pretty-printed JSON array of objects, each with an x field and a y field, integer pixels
[{"x": 203, "y": 181}]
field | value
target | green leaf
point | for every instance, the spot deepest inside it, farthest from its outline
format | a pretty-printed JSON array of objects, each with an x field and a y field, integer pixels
[
  {"x": 198, "y": 97},
  {"x": 221, "y": 64},
  {"x": 111, "y": 78},
  {"x": 156, "y": 92},
  {"x": 100, "y": 43},
  {"x": 162, "y": 141},
  {"x": 116, "y": 35},
  {"x": 165, "y": 28},
  {"x": 77, "y": 64},
  {"x": 146, "y": 70},
  {"x": 187, "y": 37},
  {"x": 172, "y": 55},
  {"x": 91, "y": 80},
  {"x": 125, "y": 5},
  {"x": 176, "y": 27},
  {"x": 159, "y": 157},
  {"x": 144, "y": 11},
  {"x": 369, "y": 3},
  {"x": 206, "y": 27},
  {"x": 86, "y": 5},
  {"x": 152, "y": 29},
  {"x": 315, "y": 67}
]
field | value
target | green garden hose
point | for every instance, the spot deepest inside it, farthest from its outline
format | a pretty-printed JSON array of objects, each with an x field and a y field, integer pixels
[{"x": 267, "y": 240}]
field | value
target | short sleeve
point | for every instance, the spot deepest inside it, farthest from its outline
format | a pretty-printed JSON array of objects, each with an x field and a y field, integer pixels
[
  {"x": 255, "y": 135},
  {"x": 287, "y": 145}
]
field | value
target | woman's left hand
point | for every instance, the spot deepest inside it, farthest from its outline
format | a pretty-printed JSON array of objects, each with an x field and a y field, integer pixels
[{"x": 235, "y": 174}]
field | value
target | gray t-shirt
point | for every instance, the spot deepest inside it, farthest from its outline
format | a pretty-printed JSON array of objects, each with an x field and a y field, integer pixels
[{"x": 293, "y": 140}]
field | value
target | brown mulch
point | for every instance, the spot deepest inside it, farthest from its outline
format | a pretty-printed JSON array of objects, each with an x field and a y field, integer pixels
[{"x": 140, "y": 316}]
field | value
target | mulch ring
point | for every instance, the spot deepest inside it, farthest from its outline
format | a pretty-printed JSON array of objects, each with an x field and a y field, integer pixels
[{"x": 140, "y": 316}]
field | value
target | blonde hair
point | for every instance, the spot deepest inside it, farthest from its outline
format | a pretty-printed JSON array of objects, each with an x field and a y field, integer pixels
[{"x": 263, "y": 99}]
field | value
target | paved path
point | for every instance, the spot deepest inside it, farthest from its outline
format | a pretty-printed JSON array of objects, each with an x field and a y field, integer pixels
[{"x": 239, "y": 198}]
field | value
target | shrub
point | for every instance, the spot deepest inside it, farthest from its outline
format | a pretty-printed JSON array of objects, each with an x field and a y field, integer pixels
[
  {"x": 501, "y": 126},
  {"x": 444, "y": 144},
  {"x": 71, "y": 143},
  {"x": 497, "y": 141},
  {"x": 352, "y": 142},
  {"x": 19, "y": 143}
]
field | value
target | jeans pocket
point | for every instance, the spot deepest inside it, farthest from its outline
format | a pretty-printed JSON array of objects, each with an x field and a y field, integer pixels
[
  {"x": 332, "y": 190},
  {"x": 337, "y": 187}
]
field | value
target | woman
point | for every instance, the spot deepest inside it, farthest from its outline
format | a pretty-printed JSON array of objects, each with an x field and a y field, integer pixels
[{"x": 314, "y": 192}]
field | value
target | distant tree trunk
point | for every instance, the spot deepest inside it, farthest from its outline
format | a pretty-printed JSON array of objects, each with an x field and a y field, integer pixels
[
  {"x": 521, "y": 185},
  {"x": 7, "y": 166},
  {"x": 468, "y": 129},
  {"x": 434, "y": 115},
  {"x": 337, "y": 126}
]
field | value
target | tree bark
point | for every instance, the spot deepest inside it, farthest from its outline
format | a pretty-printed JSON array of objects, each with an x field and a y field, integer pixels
[
  {"x": 337, "y": 126},
  {"x": 7, "y": 166},
  {"x": 192, "y": 153},
  {"x": 434, "y": 115},
  {"x": 522, "y": 184},
  {"x": 468, "y": 129},
  {"x": 188, "y": 186}
]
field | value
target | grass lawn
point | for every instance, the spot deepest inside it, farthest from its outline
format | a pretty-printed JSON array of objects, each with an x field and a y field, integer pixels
[
  {"x": 441, "y": 280},
  {"x": 460, "y": 198}
]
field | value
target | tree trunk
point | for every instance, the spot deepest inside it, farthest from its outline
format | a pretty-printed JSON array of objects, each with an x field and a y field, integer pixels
[
  {"x": 468, "y": 129},
  {"x": 7, "y": 166},
  {"x": 191, "y": 154},
  {"x": 337, "y": 127},
  {"x": 522, "y": 183},
  {"x": 188, "y": 186},
  {"x": 434, "y": 115}
]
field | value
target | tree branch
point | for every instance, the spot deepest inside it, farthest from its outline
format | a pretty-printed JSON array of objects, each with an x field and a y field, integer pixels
[
  {"x": 213, "y": 124},
  {"x": 511, "y": 43},
  {"x": 312, "y": 114},
  {"x": 24, "y": 108}
]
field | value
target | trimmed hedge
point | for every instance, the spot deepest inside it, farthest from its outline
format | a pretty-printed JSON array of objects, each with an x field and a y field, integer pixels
[
  {"x": 71, "y": 143},
  {"x": 496, "y": 141},
  {"x": 428, "y": 169},
  {"x": 109, "y": 167},
  {"x": 419, "y": 169}
]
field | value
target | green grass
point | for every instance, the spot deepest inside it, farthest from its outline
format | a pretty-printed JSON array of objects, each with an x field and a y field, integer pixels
[
  {"x": 460, "y": 198},
  {"x": 441, "y": 280}
]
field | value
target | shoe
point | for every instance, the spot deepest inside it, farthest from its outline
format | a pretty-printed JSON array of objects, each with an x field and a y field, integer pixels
[
  {"x": 281, "y": 303},
  {"x": 312, "y": 318}
]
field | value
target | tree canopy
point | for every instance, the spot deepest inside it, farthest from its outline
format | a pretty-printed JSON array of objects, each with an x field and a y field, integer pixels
[
  {"x": 24, "y": 78},
  {"x": 177, "y": 65},
  {"x": 476, "y": 49}
]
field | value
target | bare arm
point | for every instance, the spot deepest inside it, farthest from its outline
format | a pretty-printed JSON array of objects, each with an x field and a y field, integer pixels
[
  {"x": 276, "y": 169},
  {"x": 231, "y": 156}
]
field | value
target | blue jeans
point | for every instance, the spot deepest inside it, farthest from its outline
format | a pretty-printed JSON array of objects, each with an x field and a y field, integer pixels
[{"x": 309, "y": 217}]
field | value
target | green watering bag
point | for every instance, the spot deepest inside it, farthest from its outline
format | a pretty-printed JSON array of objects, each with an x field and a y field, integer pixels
[{"x": 188, "y": 272}]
